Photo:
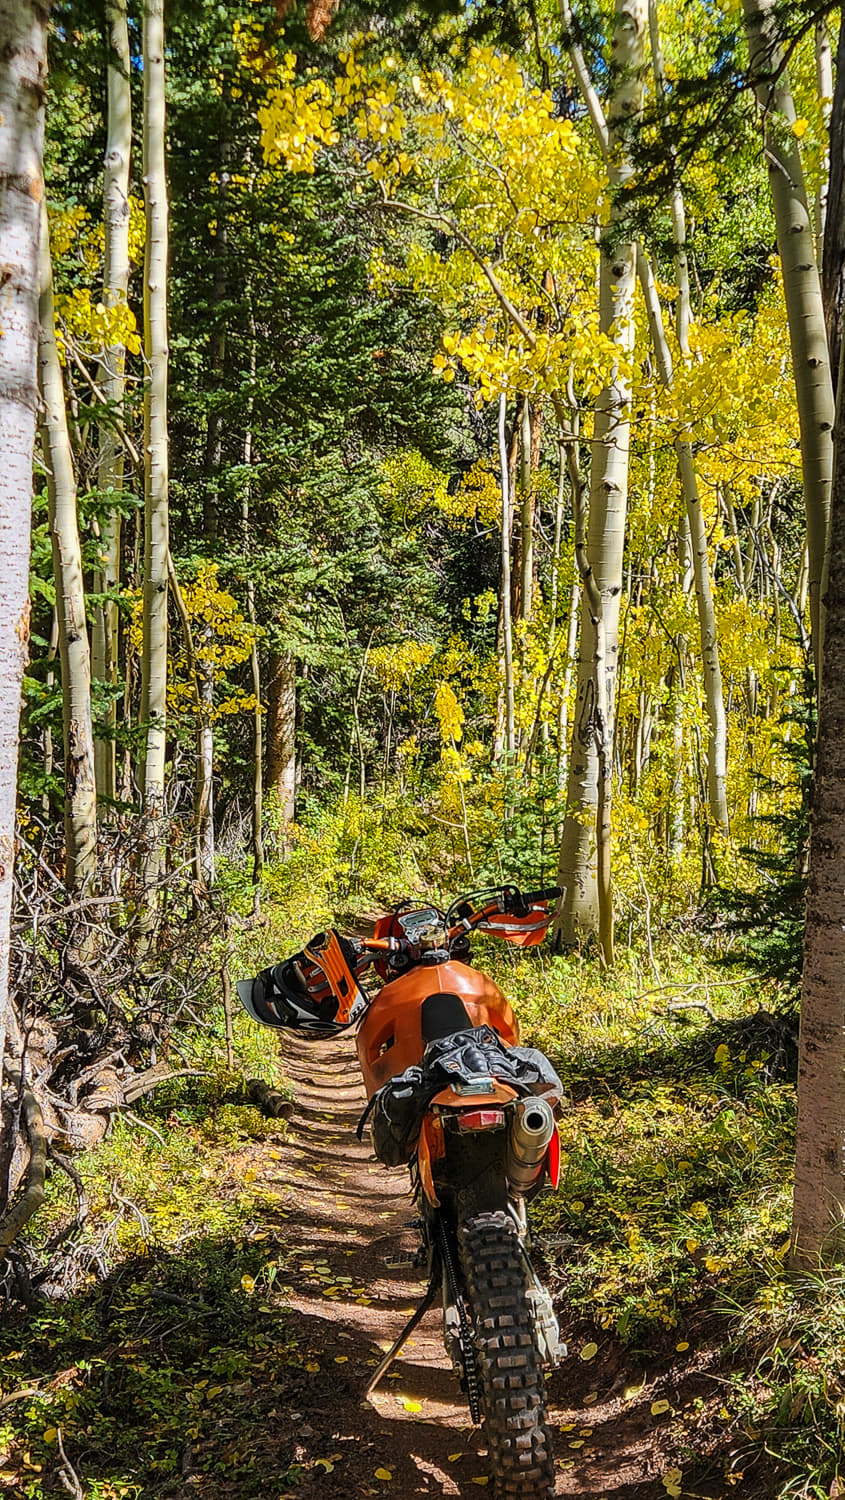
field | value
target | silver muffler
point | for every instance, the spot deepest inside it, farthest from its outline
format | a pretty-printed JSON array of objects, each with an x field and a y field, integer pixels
[{"x": 532, "y": 1127}]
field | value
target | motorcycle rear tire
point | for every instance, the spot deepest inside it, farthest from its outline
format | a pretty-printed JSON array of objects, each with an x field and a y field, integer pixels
[{"x": 510, "y": 1368}]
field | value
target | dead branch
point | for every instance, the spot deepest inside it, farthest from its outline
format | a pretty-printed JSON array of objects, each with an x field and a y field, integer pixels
[
  {"x": 33, "y": 1195},
  {"x": 269, "y": 1100},
  {"x": 67, "y": 1473}
]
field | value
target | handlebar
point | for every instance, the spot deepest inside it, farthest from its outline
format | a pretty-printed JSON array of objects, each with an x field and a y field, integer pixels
[{"x": 548, "y": 893}]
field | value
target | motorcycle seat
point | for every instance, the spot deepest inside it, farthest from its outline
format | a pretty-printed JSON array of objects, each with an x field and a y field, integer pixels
[{"x": 441, "y": 1015}]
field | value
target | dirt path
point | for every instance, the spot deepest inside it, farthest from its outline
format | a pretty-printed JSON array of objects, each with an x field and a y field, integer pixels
[{"x": 352, "y": 1287}]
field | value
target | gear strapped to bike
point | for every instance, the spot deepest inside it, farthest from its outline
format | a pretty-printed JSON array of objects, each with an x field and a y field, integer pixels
[{"x": 452, "y": 1094}]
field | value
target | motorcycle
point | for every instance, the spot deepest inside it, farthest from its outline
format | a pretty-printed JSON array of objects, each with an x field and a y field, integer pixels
[{"x": 454, "y": 1096}]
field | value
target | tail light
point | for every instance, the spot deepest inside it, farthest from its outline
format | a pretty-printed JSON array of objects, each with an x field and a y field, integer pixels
[{"x": 481, "y": 1119}]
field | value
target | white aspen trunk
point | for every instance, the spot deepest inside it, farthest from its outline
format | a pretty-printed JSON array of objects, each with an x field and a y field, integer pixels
[
  {"x": 23, "y": 74},
  {"x": 255, "y": 663},
  {"x": 281, "y": 733},
  {"x": 104, "y": 637},
  {"x": 156, "y": 521},
  {"x": 507, "y": 629},
  {"x": 78, "y": 737},
  {"x": 802, "y": 291},
  {"x": 585, "y": 847},
  {"x": 717, "y": 744},
  {"x": 824, "y": 85},
  {"x": 526, "y": 515},
  {"x": 204, "y": 783}
]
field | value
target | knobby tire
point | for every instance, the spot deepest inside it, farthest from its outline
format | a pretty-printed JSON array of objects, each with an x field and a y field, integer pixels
[{"x": 513, "y": 1398}]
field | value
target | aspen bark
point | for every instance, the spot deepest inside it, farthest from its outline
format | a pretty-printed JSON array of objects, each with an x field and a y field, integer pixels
[
  {"x": 104, "y": 636},
  {"x": 80, "y": 790},
  {"x": 526, "y": 515},
  {"x": 156, "y": 522},
  {"x": 23, "y": 74},
  {"x": 281, "y": 733},
  {"x": 507, "y": 627},
  {"x": 802, "y": 292},
  {"x": 583, "y": 870}
]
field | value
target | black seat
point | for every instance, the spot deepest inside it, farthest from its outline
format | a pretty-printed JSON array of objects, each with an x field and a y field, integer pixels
[{"x": 443, "y": 1014}]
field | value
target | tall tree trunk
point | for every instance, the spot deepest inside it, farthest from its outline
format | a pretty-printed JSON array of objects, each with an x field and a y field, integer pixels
[
  {"x": 833, "y": 251},
  {"x": 526, "y": 514},
  {"x": 156, "y": 521},
  {"x": 217, "y": 351},
  {"x": 818, "y": 1223},
  {"x": 585, "y": 846},
  {"x": 104, "y": 639},
  {"x": 80, "y": 787},
  {"x": 802, "y": 290},
  {"x": 255, "y": 663},
  {"x": 818, "y": 1215},
  {"x": 23, "y": 74},
  {"x": 505, "y": 603},
  {"x": 281, "y": 733}
]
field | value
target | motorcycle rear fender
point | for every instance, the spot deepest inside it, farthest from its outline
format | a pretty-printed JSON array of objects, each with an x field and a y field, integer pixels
[{"x": 501, "y": 1093}]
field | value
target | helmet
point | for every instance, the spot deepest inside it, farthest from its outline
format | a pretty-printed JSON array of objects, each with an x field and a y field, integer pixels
[{"x": 279, "y": 997}]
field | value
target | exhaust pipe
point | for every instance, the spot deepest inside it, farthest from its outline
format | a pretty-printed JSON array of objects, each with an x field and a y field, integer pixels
[{"x": 532, "y": 1127}]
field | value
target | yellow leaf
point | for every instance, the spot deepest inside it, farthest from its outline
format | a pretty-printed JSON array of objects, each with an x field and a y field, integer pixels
[
  {"x": 591, "y": 1399},
  {"x": 659, "y": 1407},
  {"x": 412, "y": 1405},
  {"x": 799, "y": 128},
  {"x": 633, "y": 1390},
  {"x": 383, "y": 1474},
  {"x": 49, "y": 1434},
  {"x": 453, "y": 1457},
  {"x": 682, "y": 1346},
  {"x": 589, "y": 1351},
  {"x": 312, "y": 1366},
  {"x": 248, "y": 1283},
  {"x": 481, "y": 1479},
  {"x": 578, "y": 1443},
  {"x": 341, "y": 1359},
  {"x": 324, "y": 1463}
]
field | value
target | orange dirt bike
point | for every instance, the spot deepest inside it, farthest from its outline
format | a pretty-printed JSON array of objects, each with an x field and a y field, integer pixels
[{"x": 453, "y": 1095}]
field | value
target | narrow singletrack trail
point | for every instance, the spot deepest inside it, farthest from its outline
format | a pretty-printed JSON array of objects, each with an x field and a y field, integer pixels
[{"x": 352, "y": 1286}]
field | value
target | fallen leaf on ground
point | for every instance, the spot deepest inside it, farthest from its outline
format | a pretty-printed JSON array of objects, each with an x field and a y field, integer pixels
[
  {"x": 589, "y": 1351},
  {"x": 659, "y": 1407},
  {"x": 383, "y": 1474}
]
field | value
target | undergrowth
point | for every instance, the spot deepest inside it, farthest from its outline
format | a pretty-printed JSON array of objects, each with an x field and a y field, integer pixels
[{"x": 668, "y": 1235}]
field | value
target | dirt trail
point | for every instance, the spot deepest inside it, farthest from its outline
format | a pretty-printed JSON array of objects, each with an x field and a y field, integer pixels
[{"x": 352, "y": 1287}]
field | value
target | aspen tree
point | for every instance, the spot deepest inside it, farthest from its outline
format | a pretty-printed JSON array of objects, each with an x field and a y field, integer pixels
[
  {"x": 583, "y": 869},
  {"x": 697, "y": 533},
  {"x": 818, "y": 1221},
  {"x": 281, "y": 732},
  {"x": 80, "y": 790},
  {"x": 156, "y": 525},
  {"x": 23, "y": 73},
  {"x": 802, "y": 290},
  {"x": 507, "y": 627},
  {"x": 104, "y": 637},
  {"x": 818, "y": 1213}
]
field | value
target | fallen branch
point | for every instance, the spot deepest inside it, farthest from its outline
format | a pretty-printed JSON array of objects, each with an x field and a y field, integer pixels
[
  {"x": 33, "y": 1195},
  {"x": 145, "y": 1125},
  {"x": 269, "y": 1100}
]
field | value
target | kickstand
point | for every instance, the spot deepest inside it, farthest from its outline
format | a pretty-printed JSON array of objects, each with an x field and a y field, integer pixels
[{"x": 416, "y": 1317}]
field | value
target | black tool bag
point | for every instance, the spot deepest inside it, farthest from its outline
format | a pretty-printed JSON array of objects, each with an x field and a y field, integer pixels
[{"x": 399, "y": 1106}]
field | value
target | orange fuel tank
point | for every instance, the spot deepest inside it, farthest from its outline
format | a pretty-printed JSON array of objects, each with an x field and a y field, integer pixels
[{"x": 390, "y": 1035}]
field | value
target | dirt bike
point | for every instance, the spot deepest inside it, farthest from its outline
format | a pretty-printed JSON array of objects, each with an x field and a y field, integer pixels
[{"x": 453, "y": 1095}]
